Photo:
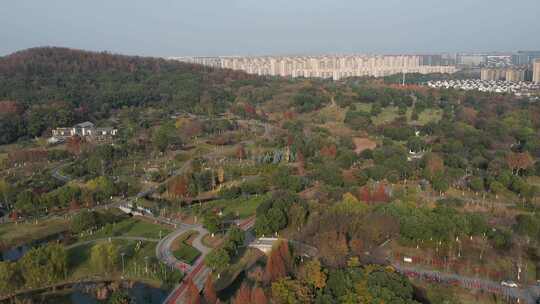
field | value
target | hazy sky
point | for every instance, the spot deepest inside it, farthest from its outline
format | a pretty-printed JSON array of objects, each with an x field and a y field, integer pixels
[{"x": 257, "y": 27}]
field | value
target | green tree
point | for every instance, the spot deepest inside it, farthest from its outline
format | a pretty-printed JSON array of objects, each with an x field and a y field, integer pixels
[
  {"x": 477, "y": 184},
  {"x": 164, "y": 136},
  {"x": 120, "y": 297},
  {"x": 104, "y": 257},
  {"x": 44, "y": 265},
  {"x": 212, "y": 222},
  {"x": 288, "y": 291},
  {"x": 218, "y": 259},
  {"x": 10, "y": 278},
  {"x": 27, "y": 201},
  {"x": 312, "y": 273},
  {"x": 236, "y": 236},
  {"x": 440, "y": 184},
  {"x": 84, "y": 220}
]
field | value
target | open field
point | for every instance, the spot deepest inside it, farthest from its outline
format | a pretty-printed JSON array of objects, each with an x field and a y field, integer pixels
[
  {"x": 389, "y": 114},
  {"x": 427, "y": 116},
  {"x": 17, "y": 234},
  {"x": 241, "y": 207},
  {"x": 137, "y": 255},
  {"x": 131, "y": 227}
]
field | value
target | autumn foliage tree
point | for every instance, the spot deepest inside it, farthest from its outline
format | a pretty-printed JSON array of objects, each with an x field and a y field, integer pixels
[
  {"x": 193, "y": 296},
  {"x": 311, "y": 272},
  {"x": 285, "y": 253},
  {"x": 240, "y": 152},
  {"x": 275, "y": 266},
  {"x": 380, "y": 194},
  {"x": 10, "y": 107},
  {"x": 209, "y": 293},
  {"x": 289, "y": 115},
  {"x": 243, "y": 295},
  {"x": 301, "y": 160},
  {"x": 258, "y": 296},
  {"x": 434, "y": 165},
  {"x": 519, "y": 161},
  {"x": 329, "y": 151},
  {"x": 333, "y": 247},
  {"x": 178, "y": 187},
  {"x": 250, "y": 110},
  {"x": 365, "y": 194},
  {"x": 74, "y": 145}
]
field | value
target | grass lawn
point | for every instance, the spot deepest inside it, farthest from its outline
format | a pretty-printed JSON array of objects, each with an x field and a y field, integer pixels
[
  {"x": 137, "y": 255},
  {"x": 187, "y": 254},
  {"x": 182, "y": 250},
  {"x": 365, "y": 107},
  {"x": 3, "y": 157},
  {"x": 131, "y": 227},
  {"x": 242, "y": 207},
  {"x": 17, "y": 234},
  {"x": 332, "y": 113},
  {"x": 427, "y": 116},
  {"x": 389, "y": 114}
]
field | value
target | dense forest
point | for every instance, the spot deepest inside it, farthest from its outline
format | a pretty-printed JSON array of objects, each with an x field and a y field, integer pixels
[{"x": 45, "y": 88}]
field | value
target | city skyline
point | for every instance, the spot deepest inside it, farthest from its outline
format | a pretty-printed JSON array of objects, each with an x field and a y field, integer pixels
[{"x": 206, "y": 28}]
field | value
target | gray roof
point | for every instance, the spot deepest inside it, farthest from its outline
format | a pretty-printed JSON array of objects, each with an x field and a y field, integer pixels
[{"x": 85, "y": 124}]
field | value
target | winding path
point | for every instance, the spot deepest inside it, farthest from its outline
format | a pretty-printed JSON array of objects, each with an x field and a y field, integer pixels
[
  {"x": 56, "y": 173},
  {"x": 198, "y": 272}
]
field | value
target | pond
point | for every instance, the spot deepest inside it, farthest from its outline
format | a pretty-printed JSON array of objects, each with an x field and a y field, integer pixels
[
  {"x": 140, "y": 293},
  {"x": 16, "y": 253}
]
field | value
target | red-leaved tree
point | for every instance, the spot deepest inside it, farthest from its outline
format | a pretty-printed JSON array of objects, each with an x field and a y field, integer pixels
[
  {"x": 193, "y": 296},
  {"x": 243, "y": 295},
  {"x": 209, "y": 293},
  {"x": 258, "y": 296},
  {"x": 275, "y": 267}
]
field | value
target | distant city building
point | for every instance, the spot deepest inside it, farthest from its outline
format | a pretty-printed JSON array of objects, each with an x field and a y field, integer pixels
[
  {"x": 335, "y": 67},
  {"x": 488, "y": 74},
  {"x": 525, "y": 57},
  {"x": 511, "y": 74},
  {"x": 515, "y": 75},
  {"x": 471, "y": 60},
  {"x": 498, "y": 60},
  {"x": 536, "y": 71}
]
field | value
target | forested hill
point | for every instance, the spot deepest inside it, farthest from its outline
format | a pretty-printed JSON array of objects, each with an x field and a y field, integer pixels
[{"x": 47, "y": 87}]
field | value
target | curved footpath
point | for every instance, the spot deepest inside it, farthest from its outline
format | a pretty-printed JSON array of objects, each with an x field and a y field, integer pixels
[{"x": 198, "y": 272}]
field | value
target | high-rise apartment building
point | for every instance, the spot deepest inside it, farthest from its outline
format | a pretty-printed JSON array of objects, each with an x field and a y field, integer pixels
[
  {"x": 525, "y": 57},
  {"x": 335, "y": 67},
  {"x": 512, "y": 74},
  {"x": 536, "y": 71}
]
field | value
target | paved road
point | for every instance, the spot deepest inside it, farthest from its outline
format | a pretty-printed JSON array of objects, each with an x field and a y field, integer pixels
[
  {"x": 526, "y": 294},
  {"x": 127, "y": 238},
  {"x": 56, "y": 173}
]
